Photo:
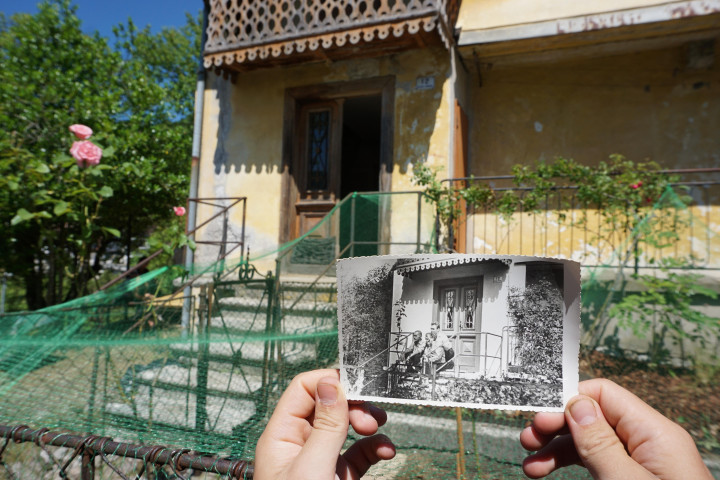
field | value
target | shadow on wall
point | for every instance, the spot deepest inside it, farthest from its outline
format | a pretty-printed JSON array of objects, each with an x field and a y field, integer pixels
[
  {"x": 250, "y": 141},
  {"x": 223, "y": 88}
]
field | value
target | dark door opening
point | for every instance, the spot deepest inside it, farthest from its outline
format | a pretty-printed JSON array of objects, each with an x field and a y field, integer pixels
[{"x": 360, "y": 172}]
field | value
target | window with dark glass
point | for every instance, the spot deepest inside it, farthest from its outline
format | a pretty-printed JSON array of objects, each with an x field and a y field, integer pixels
[
  {"x": 470, "y": 301},
  {"x": 318, "y": 146},
  {"x": 449, "y": 309}
]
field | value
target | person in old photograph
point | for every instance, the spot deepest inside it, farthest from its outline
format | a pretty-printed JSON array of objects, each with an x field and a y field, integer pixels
[
  {"x": 440, "y": 354},
  {"x": 413, "y": 355},
  {"x": 492, "y": 326}
]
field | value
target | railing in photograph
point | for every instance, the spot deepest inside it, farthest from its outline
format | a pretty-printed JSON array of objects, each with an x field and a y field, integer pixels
[
  {"x": 562, "y": 226},
  {"x": 397, "y": 368}
]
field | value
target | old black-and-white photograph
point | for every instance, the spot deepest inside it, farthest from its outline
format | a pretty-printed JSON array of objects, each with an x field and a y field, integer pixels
[{"x": 487, "y": 331}]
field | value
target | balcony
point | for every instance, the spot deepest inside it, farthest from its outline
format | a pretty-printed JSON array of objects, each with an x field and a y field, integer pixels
[{"x": 246, "y": 34}]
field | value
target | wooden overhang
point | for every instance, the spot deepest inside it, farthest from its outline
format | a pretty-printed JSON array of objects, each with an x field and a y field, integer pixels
[
  {"x": 247, "y": 34},
  {"x": 420, "y": 265}
]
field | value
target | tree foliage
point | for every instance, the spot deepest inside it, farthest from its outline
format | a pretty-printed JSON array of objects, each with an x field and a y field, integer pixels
[
  {"x": 137, "y": 92},
  {"x": 663, "y": 310},
  {"x": 367, "y": 304},
  {"x": 537, "y": 316}
]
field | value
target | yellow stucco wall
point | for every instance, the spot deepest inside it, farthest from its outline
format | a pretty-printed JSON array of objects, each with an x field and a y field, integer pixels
[
  {"x": 484, "y": 14},
  {"x": 243, "y": 128},
  {"x": 647, "y": 105},
  {"x": 644, "y": 105}
]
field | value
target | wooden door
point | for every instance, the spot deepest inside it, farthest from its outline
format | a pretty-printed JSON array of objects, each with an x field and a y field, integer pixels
[
  {"x": 317, "y": 165},
  {"x": 459, "y": 319}
]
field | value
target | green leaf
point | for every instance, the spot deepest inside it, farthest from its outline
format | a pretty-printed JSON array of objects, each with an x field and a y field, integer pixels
[
  {"x": 106, "y": 192},
  {"x": 108, "y": 152},
  {"x": 42, "y": 168},
  {"x": 112, "y": 231},
  {"x": 60, "y": 208},
  {"x": 21, "y": 216}
]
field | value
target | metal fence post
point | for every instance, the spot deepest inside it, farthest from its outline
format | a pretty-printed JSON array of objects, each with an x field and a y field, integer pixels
[{"x": 203, "y": 357}]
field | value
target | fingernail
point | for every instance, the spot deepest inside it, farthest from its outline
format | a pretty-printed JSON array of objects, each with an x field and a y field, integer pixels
[
  {"x": 327, "y": 393},
  {"x": 583, "y": 412}
]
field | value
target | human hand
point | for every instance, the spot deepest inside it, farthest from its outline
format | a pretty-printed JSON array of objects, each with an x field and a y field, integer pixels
[
  {"x": 308, "y": 428},
  {"x": 615, "y": 435}
]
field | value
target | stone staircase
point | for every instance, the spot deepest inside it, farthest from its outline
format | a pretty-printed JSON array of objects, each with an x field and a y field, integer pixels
[{"x": 236, "y": 369}]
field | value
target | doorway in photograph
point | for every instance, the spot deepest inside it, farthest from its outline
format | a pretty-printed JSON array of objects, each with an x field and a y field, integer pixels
[{"x": 460, "y": 320}]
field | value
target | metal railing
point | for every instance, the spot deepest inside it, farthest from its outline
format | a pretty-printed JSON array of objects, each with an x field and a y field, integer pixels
[
  {"x": 553, "y": 228},
  {"x": 223, "y": 215},
  {"x": 88, "y": 448},
  {"x": 223, "y": 251}
]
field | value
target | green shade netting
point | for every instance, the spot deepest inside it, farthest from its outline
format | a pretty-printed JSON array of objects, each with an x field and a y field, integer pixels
[{"x": 119, "y": 363}]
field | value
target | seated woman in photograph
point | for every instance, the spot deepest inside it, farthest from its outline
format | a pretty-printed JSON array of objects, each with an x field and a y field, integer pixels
[{"x": 441, "y": 352}]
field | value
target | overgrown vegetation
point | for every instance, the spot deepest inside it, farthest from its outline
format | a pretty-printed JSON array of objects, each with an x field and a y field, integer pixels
[
  {"x": 631, "y": 205},
  {"x": 536, "y": 313},
  {"x": 661, "y": 309},
  {"x": 137, "y": 93},
  {"x": 620, "y": 190}
]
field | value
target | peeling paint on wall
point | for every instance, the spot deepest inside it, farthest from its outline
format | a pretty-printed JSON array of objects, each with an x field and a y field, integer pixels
[{"x": 243, "y": 130}]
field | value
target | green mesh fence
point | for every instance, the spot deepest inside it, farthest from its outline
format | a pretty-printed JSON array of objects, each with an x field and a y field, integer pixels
[{"x": 120, "y": 363}]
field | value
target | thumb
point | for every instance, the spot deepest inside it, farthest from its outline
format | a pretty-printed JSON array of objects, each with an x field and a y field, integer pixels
[
  {"x": 599, "y": 448},
  {"x": 329, "y": 430}
]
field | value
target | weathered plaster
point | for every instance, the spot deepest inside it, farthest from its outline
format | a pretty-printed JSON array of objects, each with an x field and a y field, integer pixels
[
  {"x": 242, "y": 134},
  {"x": 494, "y": 14},
  {"x": 644, "y": 105}
]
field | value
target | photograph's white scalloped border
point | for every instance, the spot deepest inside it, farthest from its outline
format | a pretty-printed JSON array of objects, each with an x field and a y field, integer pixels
[{"x": 571, "y": 332}]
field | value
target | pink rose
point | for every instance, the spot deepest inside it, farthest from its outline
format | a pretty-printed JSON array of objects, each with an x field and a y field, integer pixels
[
  {"x": 637, "y": 185},
  {"x": 81, "y": 131},
  {"x": 86, "y": 153},
  {"x": 179, "y": 211}
]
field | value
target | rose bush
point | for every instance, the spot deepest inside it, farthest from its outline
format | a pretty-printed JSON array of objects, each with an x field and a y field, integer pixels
[{"x": 86, "y": 153}]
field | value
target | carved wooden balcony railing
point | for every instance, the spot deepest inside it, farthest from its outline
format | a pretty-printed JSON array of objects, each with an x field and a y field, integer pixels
[{"x": 245, "y": 32}]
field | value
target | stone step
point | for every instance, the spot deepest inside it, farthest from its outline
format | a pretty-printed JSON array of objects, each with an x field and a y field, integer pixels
[
  {"x": 247, "y": 354},
  {"x": 295, "y": 285},
  {"x": 238, "y": 324},
  {"x": 223, "y": 367},
  {"x": 177, "y": 409},
  {"x": 290, "y": 324},
  {"x": 235, "y": 383},
  {"x": 259, "y": 306}
]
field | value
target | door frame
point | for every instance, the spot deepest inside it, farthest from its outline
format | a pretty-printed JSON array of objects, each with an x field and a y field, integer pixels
[
  {"x": 459, "y": 331},
  {"x": 294, "y": 97}
]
